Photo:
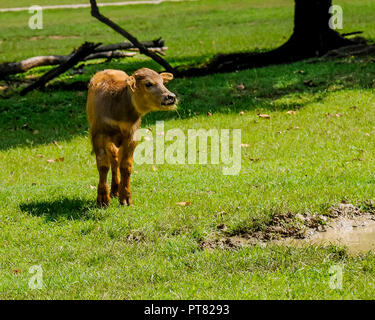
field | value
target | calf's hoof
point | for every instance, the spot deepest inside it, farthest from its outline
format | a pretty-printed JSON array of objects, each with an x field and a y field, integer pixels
[
  {"x": 103, "y": 199},
  {"x": 102, "y": 203},
  {"x": 126, "y": 201}
]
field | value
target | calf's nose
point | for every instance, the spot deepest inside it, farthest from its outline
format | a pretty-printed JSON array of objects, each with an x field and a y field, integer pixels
[{"x": 170, "y": 98}]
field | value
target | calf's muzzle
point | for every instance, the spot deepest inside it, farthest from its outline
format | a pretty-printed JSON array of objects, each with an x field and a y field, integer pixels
[{"x": 169, "y": 99}]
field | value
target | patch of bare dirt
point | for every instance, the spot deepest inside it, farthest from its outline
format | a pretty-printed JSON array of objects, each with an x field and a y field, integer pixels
[
  {"x": 289, "y": 227},
  {"x": 62, "y": 37},
  {"x": 53, "y": 37}
]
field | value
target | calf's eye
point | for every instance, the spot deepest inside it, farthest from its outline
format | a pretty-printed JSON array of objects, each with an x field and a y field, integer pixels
[{"x": 149, "y": 84}]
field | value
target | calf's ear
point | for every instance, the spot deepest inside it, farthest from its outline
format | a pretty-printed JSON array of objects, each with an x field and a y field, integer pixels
[
  {"x": 130, "y": 81},
  {"x": 167, "y": 77}
]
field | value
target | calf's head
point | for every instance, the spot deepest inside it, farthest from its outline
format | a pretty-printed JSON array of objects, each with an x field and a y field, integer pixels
[{"x": 149, "y": 92}]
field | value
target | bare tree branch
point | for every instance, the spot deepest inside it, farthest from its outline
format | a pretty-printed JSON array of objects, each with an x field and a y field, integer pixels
[
  {"x": 142, "y": 49},
  {"x": 158, "y": 43},
  {"x": 110, "y": 55}
]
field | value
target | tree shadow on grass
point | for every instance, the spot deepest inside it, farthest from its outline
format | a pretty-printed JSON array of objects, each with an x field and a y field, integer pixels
[
  {"x": 62, "y": 209},
  {"x": 59, "y": 113}
]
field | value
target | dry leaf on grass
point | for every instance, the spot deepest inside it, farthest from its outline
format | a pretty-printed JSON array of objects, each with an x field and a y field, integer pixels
[
  {"x": 184, "y": 204},
  {"x": 17, "y": 271},
  {"x": 245, "y": 145},
  {"x": 154, "y": 168},
  {"x": 264, "y": 116},
  {"x": 241, "y": 86},
  {"x": 291, "y": 112},
  {"x": 62, "y": 159},
  {"x": 337, "y": 115}
]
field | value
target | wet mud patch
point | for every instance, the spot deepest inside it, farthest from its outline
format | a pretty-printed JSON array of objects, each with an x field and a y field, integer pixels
[
  {"x": 344, "y": 224},
  {"x": 351, "y": 228}
]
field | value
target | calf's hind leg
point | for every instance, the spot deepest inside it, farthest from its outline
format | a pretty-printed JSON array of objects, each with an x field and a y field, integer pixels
[
  {"x": 115, "y": 168},
  {"x": 126, "y": 165},
  {"x": 103, "y": 162}
]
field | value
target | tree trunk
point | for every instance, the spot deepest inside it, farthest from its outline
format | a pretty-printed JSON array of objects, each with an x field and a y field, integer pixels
[
  {"x": 311, "y": 37},
  {"x": 312, "y": 34}
]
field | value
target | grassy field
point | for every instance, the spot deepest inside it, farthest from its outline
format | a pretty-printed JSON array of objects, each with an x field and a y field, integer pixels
[
  {"x": 26, "y": 3},
  {"x": 305, "y": 162}
]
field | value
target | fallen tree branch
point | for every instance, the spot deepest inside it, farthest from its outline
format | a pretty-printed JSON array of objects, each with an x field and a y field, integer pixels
[
  {"x": 103, "y": 51},
  {"x": 110, "y": 55},
  {"x": 158, "y": 43},
  {"x": 25, "y": 65},
  {"x": 142, "y": 49},
  {"x": 83, "y": 51},
  {"x": 160, "y": 51},
  {"x": 7, "y": 69}
]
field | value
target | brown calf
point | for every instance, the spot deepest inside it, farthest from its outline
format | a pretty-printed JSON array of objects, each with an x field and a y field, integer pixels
[{"x": 116, "y": 103}]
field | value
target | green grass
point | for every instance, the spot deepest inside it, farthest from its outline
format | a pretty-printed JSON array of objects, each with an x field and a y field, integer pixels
[
  {"x": 26, "y": 3},
  {"x": 307, "y": 162}
]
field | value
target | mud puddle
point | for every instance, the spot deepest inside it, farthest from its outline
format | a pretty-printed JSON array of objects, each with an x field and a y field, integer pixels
[
  {"x": 356, "y": 234},
  {"x": 344, "y": 225}
]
